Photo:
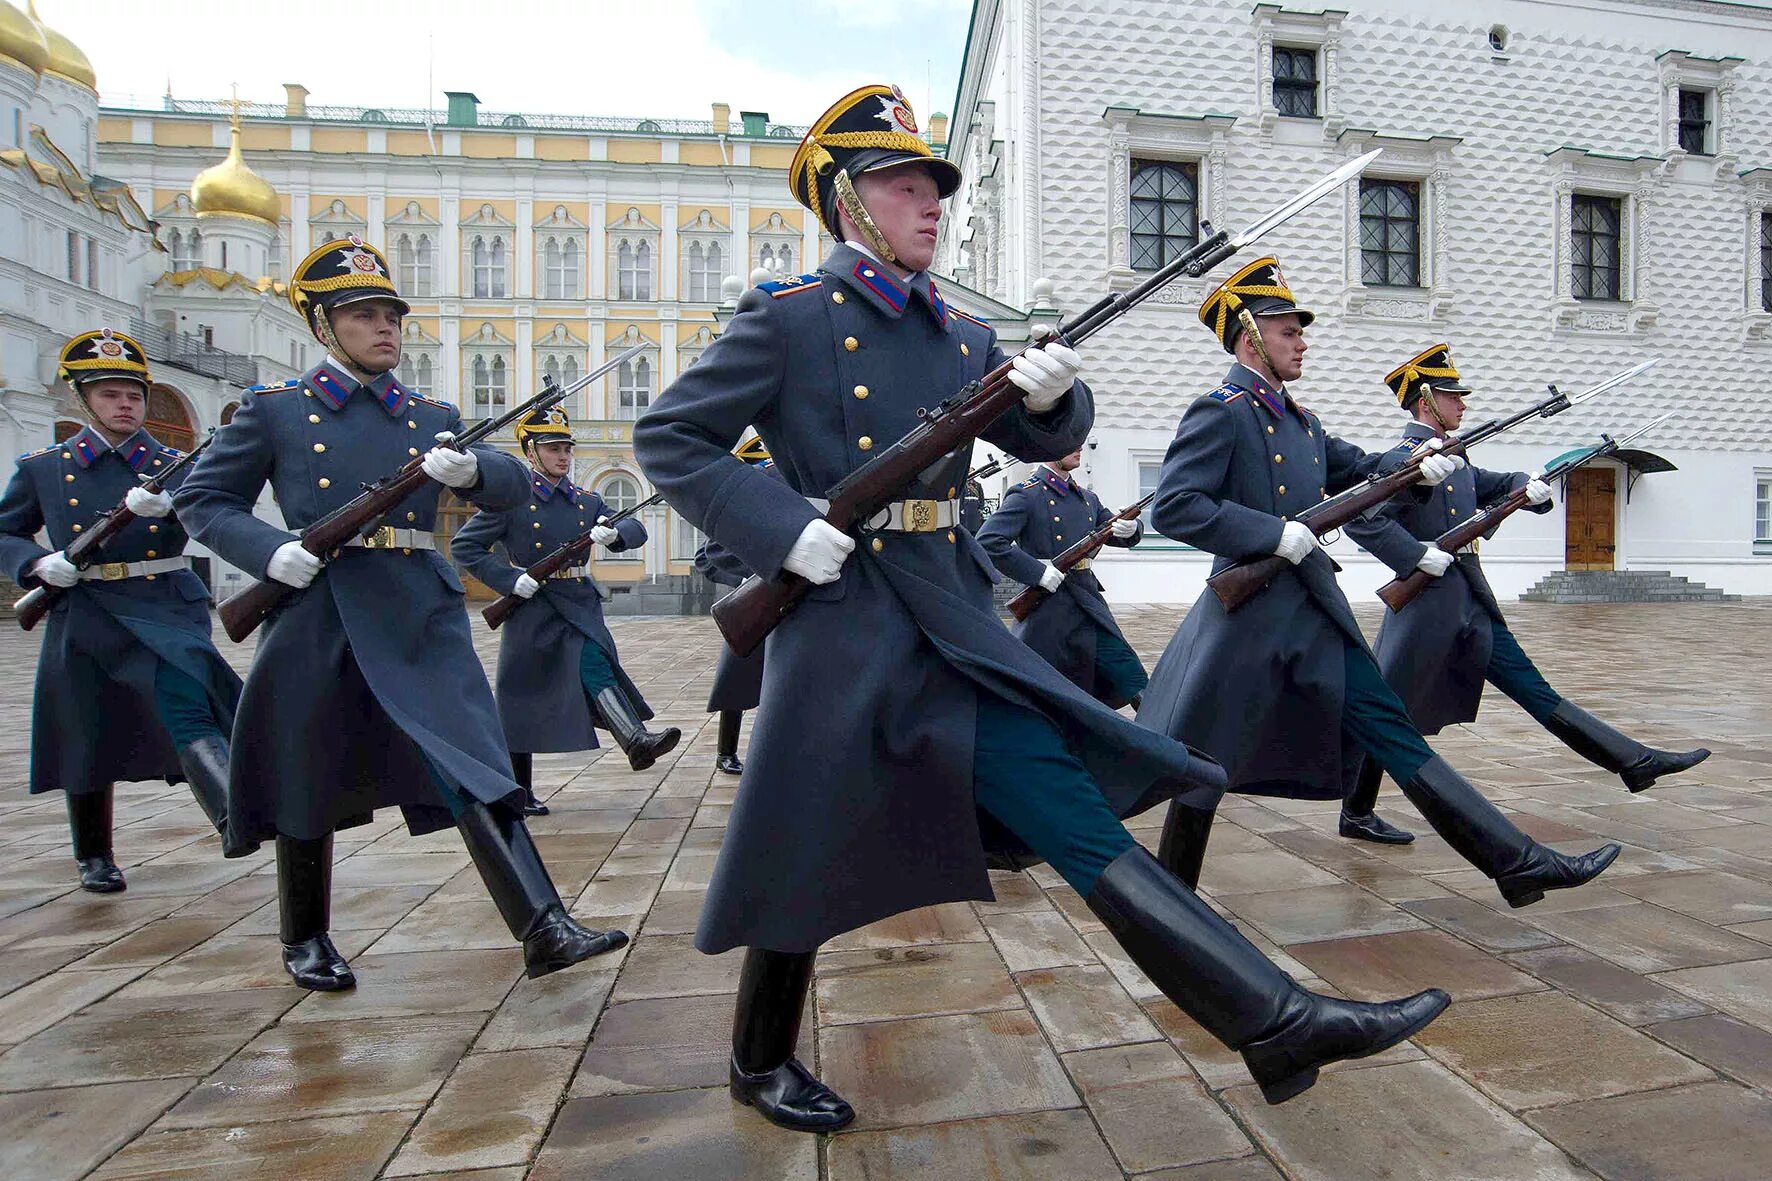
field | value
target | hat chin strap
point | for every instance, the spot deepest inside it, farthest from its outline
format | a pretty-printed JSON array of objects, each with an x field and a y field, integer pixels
[
  {"x": 1433, "y": 406},
  {"x": 858, "y": 213},
  {"x": 1253, "y": 331}
]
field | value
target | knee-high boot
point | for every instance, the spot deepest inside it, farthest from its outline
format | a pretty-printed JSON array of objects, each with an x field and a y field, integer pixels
[
  {"x": 765, "y": 1029},
  {"x": 1182, "y": 851},
  {"x": 89, "y": 822},
  {"x": 523, "y": 769},
  {"x": 1638, "y": 765},
  {"x": 1359, "y": 819},
  {"x": 726, "y": 754},
  {"x": 1216, "y": 976},
  {"x": 205, "y": 763},
  {"x": 512, "y": 869},
  {"x": 304, "y": 914},
  {"x": 1522, "y": 868},
  {"x": 642, "y": 746}
]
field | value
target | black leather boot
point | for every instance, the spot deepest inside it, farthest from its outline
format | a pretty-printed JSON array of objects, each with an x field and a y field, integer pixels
[
  {"x": 642, "y": 746},
  {"x": 1359, "y": 819},
  {"x": 523, "y": 768},
  {"x": 89, "y": 820},
  {"x": 726, "y": 754},
  {"x": 1182, "y": 851},
  {"x": 765, "y": 1029},
  {"x": 512, "y": 869},
  {"x": 206, "y": 771},
  {"x": 1522, "y": 868},
  {"x": 304, "y": 913},
  {"x": 1216, "y": 976},
  {"x": 1638, "y": 765}
]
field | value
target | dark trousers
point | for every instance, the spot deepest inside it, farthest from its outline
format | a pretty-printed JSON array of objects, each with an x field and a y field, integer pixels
[
  {"x": 1373, "y": 718},
  {"x": 594, "y": 672},
  {"x": 184, "y": 707},
  {"x": 1118, "y": 666}
]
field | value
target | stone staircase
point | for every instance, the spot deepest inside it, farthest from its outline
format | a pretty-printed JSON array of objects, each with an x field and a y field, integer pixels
[{"x": 1622, "y": 586}]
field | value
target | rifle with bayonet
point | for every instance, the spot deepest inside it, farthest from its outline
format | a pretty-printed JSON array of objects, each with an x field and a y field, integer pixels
[
  {"x": 1022, "y": 605},
  {"x": 983, "y": 472},
  {"x": 752, "y": 610},
  {"x": 1400, "y": 592},
  {"x": 568, "y": 554},
  {"x": 83, "y": 551},
  {"x": 362, "y": 515},
  {"x": 1236, "y": 585}
]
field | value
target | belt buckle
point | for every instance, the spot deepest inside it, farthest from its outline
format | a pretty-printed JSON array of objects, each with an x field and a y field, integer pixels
[
  {"x": 112, "y": 571},
  {"x": 382, "y": 538},
  {"x": 920, "y": 516},
  {"x": 1082, "y": 564}
]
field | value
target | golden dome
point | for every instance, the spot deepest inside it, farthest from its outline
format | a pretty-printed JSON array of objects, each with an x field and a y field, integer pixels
[
  {"x": 21, "y": 40},
  {"x": 232, "y": 187},
  {"x": 65, "y": 59}
]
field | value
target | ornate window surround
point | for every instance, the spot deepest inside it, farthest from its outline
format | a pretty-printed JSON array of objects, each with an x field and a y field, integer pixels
[
  {"x": 1288, "y": 28},
  {"x": 414, "y": 221},
  {"x": 774, "y": 232},
  {"x": 691, "y": 346},
  {"x": 486, "y": 222},
  {"x": 486, "y": 342},
  {"x": 1635, "y": 181},
  {"x": 1202, "y": 140},
  {"x": 632, "y": 227},
  {"x": 337, "y": 220},
  {"x": 1428, "y": 162},
  {"x": 1755, "y": 320},
  {"x": 560, "y": 225},
  {"x": 704, "y": 229},
  {"x": 629, "y": 336},
  {"x": 560, "y": 341},
  {"x": 416, "y": 343},
  {"x": 1679, "y": 71}
]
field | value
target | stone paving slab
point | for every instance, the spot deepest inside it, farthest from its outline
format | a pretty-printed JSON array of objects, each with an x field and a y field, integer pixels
[{"x": 1619, "y": 1031}]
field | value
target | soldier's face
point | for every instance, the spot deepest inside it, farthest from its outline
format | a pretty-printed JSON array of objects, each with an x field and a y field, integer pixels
[
  {"x": 1284, "y": 338},
  {"x": 1449, "y": 405},
  {"x": 369, "y": 333},
  {"x": 553, "y": 459},
  {"x": 117, "y": 405},
  {"x": 1069, "y": 463},
  {"x": 906, "y": 206}
]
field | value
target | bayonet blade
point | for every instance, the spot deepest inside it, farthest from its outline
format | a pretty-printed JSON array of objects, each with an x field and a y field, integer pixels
[
  {"x": 1307, "y": 198},
  {"x": 1645, "y": 428},
  {"x": 1616, "y": 379}
]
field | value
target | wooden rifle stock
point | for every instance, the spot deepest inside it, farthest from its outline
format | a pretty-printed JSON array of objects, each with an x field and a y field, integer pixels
[
  {"x": 1022, "y": 605},
  {"x": 1400, "y": 592},
  {"x": 568, "y": 552},
  {"x": 83, "y": 551}
]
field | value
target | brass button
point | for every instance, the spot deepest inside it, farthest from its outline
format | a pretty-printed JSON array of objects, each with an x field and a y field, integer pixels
[
  {"x": 1314, "y": 459},
  {"x": 1284, "y": 517},
  {"x": 850, "y": 343},
  {"x": 1059, "y": 537},
  {"x": 1279, "y": 458},
  {"x": 308, "y": 393},
  {"x": 1270, "y": 430},
  {"x": 836, "y": 297},
  {"x": 152, "y": 554},
  {"x": 1282, "y": 489},
  {"x": 878, "y": 545},
  {"x": 65, "y": 455},
  {"x": 406, "y": 551},
  {"x": 533, "y": 509},
  {"x": 325, "y": 483},
  {"x": 76, "y": 528},
  {"x": 865, "y": 443},
  {"x": 69, "y": 477},
  {"x": 1055, "y": 518},
  {"x": 151, "y": 577},
  {"x": 537, "y": 525},
  {"x": 153, "y": 528},
  {"x": 538, "y": 545},
  {"x": 319, "y": 447},
  {"x": 73, "y": 500},
  {"x": 1455, "y": 512},
  {"x": 313, "y": 418},
  {"x": 965, "y": 349},
  {"x": 861, "y": 391},
  {"x": 412, "y": 451},
  {"x": 412, "y": 516},
  {"x": 411, "y": 425},
  {"x": 953, "y": 492},
  {"x": 1448, "y": 487},
  {"x": 950, "y": 536}
]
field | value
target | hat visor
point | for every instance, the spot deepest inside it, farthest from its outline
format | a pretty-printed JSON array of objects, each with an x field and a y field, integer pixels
[
  {"x": 946, "y": 173},
  {"x": 1281, "y": 308},
  {"x": 538, "y": 440},
  {"x": 361, "y": 294},
  {"x": 88, "y": 376},
  {"x": 1450, "y": 386}
]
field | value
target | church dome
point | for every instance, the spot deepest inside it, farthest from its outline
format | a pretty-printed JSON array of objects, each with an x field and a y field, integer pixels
[
  {"x": 232, "y": 187},
  {"x": 65, "y": 59},
  {"x": 21, "y": 40}
]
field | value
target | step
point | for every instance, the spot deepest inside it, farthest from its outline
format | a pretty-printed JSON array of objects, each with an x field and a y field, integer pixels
[{"x": 1622, "y": 586}]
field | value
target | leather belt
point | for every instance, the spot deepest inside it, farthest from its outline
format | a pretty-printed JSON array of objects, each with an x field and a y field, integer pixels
[
  {"x": 571, "y": 572},
  {"x": 112, "y": 571},
  {"x": 907, "y": 516},
  {"x": 388, "y": 537}
]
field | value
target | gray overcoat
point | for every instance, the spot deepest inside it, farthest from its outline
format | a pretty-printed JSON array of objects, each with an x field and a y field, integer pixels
[{"x": 738, "y": 680}]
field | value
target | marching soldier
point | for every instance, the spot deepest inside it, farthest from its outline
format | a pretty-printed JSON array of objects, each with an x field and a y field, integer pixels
[
  {"x": 1437, "y": 652},
  {"x": 129, "y": 685},
  {"x": 1073, "y": 628},
  {"x": 558, "y": 673},
  {"x": 365, "y": 691},
  {"x": 1282, "y": 688},
  {"x": 949, "y": 728},
  {"x": 738, "y": 680}
]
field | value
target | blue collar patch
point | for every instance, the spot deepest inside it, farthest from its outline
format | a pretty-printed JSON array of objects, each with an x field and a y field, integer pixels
[
  {"x": 869, "y": 275},
  {"x": 545, "y": 489},
  {"x": 88, "y": 446},
  {"x": 335, "y": 389}
]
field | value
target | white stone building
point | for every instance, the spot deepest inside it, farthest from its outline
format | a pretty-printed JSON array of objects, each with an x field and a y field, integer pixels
[{"x": 1567, "y": 188}]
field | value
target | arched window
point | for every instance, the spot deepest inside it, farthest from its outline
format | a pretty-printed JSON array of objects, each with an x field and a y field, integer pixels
[
  {"x": 224, "y": 255},
  {"x": 560, "y": 269},
  {"x": 168, "y": 420},
  {"x": 550, "y": 269},
  {"x": 498, "y": 268},
  {"x": 423, "y": 384},
  {"x": 703, "y": 273},
  {"x": 766, "y": 257},
  {"x": 570, "y": 264},
  {"x": 487, "y": 258},
  {"x": 193, "y": 253},
  {"x": 619, "y": 492},
  {"x": 569, "y": 370},
  {"x": 785, "y": 259},
  {"x": 633, "y": 385},
  {"x": 488, "y": 377},
  {"x": 643, "y": 265},
  {"x": 406, "y": 265},
  {"x": 227, "y": 414},
  {"x": 425, "y": 268},
  {"x": 633, "y": 267},
  {"x": 551, "y": 369}
]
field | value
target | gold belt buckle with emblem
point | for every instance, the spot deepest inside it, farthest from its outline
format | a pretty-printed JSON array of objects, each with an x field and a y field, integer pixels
[
  {"x": 112, "y": 571},
  {"x": 382, "y": 538},
  {"x": 920, "y": 516}
]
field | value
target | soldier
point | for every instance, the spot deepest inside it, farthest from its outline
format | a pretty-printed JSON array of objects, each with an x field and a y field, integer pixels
[
  {"x": 365, "y": 691},
  {"x": 558, "y": 673},
  {"x": 1072, "y": 628},
  {"x": 738, "y": 680},
  {"x": 129, "y": 685},
  {"x": 1437, "y": 652},
  {"x": 901, "y": 722},
  {"x": 1282, "y": 688}
]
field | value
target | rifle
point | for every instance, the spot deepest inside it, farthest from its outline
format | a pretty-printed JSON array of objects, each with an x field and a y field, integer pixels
[
  {"x": 83, "y": 551},
  {"x": 1236, "y": 585},
  {"x": 1022, "y": 605},
  {"x": 565, "y": 556},
  {"x": 983, "y": 472},
  {"x": 751, "y": 611},
  {"x": 1400, "y": 592},
  {"x": 362, "y": 515}
]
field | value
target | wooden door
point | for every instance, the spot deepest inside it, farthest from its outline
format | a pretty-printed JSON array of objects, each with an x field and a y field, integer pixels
[
  {"x": 452, "y": 513},
  {"x": 1591, "y": 510}
]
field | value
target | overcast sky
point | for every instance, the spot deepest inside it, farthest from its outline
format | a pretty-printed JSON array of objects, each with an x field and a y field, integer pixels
[{"x": 659, "y": 58}]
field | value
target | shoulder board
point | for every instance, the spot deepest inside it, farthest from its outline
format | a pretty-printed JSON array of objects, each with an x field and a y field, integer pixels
[
  {"x": 1030, "y": 482},
  {"x": 40, "y": 451},
  {"x": 780, "y": 287},
  {"x": 433, "y": 402},
  {"x": 1227, "y": 393},
  {"x": 275, "y": 387},
  {"x": 172, "y": 451},
  {"x": 962, "y": 315}
]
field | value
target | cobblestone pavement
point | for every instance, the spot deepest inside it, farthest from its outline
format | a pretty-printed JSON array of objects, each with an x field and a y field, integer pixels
[{"x": 1623, "y": 1030}]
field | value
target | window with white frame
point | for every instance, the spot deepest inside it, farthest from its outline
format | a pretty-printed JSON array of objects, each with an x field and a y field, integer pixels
[
  {"x": 702, "y": 272},
  {"x": 1150, "y": 472},
  {"x": 488, "y": 257},
  {"x": 633, "y": 269},
  {"x": 1390, "y": 232},
  {"x": 620, "y": 492},
  {"x": 1694, "y": 121},
  {"x": 184, "y": 249},
  {"x": 1165, "y": 211},
  {"x": 1697, "y": 103},
  {"x": 487, "y": 379},
  {"x": 92, "y": 263},
  {"x": 1763, "y": 512},
  {"x": 685, "y": 539},
  {"x": 415, "y": 262},
  {"x": 561, "y": 268},
  {"x": 633, "y": 388},
  {"x": 1596, "y": 229},
  {"x": 417, "y": 373}
]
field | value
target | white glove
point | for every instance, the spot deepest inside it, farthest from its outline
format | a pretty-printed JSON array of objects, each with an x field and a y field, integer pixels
[
  {"x": 292, "y": 565},
  {"x": 1435, "y": 561},
  {"x": 1125, "y": 529},
  {"x": 1051, "y": 578},
  {"x": 143, "y": 503},
  {"x": 526, "y": 586},
  {"x": 1045, "y": 373},
  {"x": 1437, "y": 467},
  {"x": 449, "y": 467},
  {"x": 604, "y": 534},
  {"x": 819, "y": 555},
  {"x": 1537, "y": 491},
  {"x": 56, "y": 570},
  {"x": 1296, "y": 542}
]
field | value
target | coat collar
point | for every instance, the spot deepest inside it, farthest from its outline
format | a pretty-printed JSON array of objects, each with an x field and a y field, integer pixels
[
  {"x": 1416, "y": 432},
  {"x": 544, "y": 488},
  {"x": 1274, "y": 401},
  {"x": 333, "y": 386},
  {"x": 884, "y": 290},
  {"x": 87, "y": 446},
  {"x": 1058, "y": 482}
]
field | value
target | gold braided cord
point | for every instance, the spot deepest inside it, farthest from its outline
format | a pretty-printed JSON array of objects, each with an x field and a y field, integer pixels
[
  {"x": 1411, "y": 373},
  {"x": 858, "y": 213},
  {"x": 338, "y": 282},
  {"x": 819, "y": 158},
  {"x": 105, "y": 363}
]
